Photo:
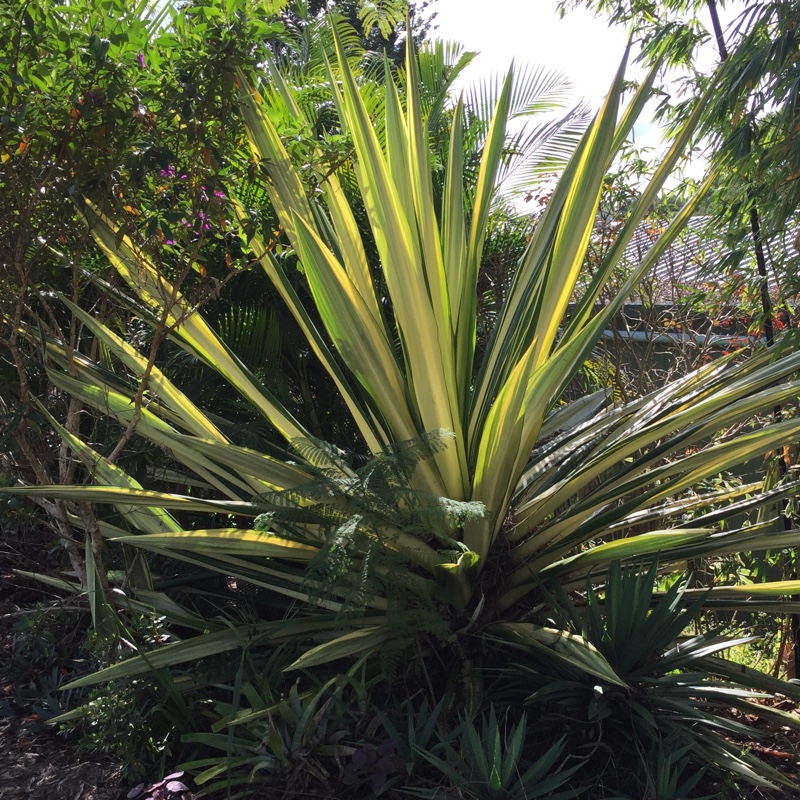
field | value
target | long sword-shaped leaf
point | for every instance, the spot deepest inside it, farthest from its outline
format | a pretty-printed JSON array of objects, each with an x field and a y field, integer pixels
[
  {"x": 484, "y": 194},
  {"x": 631, "y": 547},
  {"x": 241, "y": 541},
  {"x": 353, "y": 643},
  {"x": 152, "y": 427},
  {"x": 187, "y": 323},
  {"x": 288, "y": 196},
  {"x": 419, "y": 160},
  {"x": 362, "y": 343},
  {"x": 609, "y": 455},
  {"x": 640, "y": 209},
  {"x": 286, "y": 190},
  {"x": 269, "y": 471},
  {"x": 142, "y": 497},
  {"x": 577, "y": 222},
  {"x": 151, "y": 520},
  {"x": 403, "y": 268},
  {"x": 667, "y": 480},
  {"x": 203, "y": 647},
  {"x": 749, "y": 676},
  {"x": 194, "y": 419},
  {"x": 525, "y": 316},
  {"x": 567, "y": 648},
  {"x": 500, "y": 436},
  {"x": 454, "y": 242}
]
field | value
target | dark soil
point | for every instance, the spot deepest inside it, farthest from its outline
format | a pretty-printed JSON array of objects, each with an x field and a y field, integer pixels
[
  {"x": 780, "y": 748},
  {"x": 39, "y": 765},
  {"x": 35, "y": 762}
]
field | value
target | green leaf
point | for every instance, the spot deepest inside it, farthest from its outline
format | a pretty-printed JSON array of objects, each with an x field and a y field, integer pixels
[
  {"x": 238, "y": 541},
  {"x": 561, "y": 646},
  {"x": 201, "y": 647},
  {"x": 354, "y": 643},
  {"x": 132, "y": 497},
  {"x": 187, "y": 324}
]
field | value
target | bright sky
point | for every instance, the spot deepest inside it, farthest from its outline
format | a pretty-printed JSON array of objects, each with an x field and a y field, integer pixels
[{"x": 582, "y": 47}]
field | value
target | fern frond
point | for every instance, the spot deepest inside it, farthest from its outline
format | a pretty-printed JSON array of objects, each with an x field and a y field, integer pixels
[
  {"x": 355, "y": 516},
  {"x": 398, "y": 460},
  {"x": 385, "y": 15},
  {"x": 326, "y": 457}
]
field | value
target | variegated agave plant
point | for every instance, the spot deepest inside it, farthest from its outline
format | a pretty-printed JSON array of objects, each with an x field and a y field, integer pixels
[{"x": 480, "y": 483}]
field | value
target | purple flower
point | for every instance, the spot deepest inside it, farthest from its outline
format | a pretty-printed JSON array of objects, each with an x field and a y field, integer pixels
[
  {"x": 218, "y": 193},
  {"x": 169, "y": 172},
  {"x": 141, "y": 60}
]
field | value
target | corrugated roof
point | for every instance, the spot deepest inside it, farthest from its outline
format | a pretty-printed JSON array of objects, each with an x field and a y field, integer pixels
[{"x": 697, "y": 257}]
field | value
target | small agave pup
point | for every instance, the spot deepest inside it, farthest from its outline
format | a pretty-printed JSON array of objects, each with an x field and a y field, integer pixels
[{"x": 480, "y": 484}]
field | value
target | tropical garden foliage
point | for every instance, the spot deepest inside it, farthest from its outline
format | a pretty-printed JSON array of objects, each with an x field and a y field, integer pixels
[{"x": 406, "y": 563}]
